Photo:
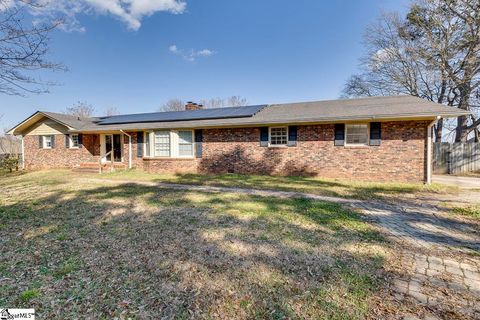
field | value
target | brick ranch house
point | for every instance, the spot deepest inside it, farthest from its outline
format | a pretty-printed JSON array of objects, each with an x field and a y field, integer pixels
[{"x": 376, "y": 139}]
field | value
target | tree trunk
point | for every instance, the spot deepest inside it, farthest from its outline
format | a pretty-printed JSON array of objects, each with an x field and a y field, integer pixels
[
  {"x": 460, "y": 132},
  {"x": 439, "y": 130}
]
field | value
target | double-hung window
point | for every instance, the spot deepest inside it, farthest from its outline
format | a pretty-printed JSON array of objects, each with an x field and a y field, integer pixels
[
  {"x": 169, "y": 144},
  {"x": 47, "y": 142},
  {"x": 74, "y": 141},
  {"x": 278, "y": 136},
  {"x": 162, "y": 144},
  {"x": 356, "y": 134},
  {"x": 185, "y": 143}
]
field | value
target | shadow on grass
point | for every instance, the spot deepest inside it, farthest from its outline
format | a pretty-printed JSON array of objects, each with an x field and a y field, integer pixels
[
  {"x": 147, "y": 252},
  {"x": 334, "y": 188}
]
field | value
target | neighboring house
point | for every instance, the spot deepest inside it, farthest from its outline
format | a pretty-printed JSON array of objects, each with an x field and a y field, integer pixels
[{"x": 377, "y": 139}]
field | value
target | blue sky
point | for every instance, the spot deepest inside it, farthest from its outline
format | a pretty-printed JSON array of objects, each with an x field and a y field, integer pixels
[{"x": 268, "y": 51}]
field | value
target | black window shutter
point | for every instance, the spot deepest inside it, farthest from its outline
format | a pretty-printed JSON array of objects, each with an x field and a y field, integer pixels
[
  {"x": 198, "y": 143},
  {"x": 264, "y": 137},
  {"x": 67, "y": 141},
  {"x": 375, "y": 133},
  {"x": 53, "y": 141},
  {"x": 80, "y": 140},
  {"x": 40, "y": 142},
  {"x": 140, "y": 144},
  {"x": 339, "y": 134},
  {"x": 292, "y": 136}
]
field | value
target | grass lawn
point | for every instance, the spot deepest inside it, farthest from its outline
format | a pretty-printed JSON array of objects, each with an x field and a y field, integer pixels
[
  {"x": 472, "y": 211},
  {"x": 320, "y": 186},
  {"x": 101, "y": 250}
]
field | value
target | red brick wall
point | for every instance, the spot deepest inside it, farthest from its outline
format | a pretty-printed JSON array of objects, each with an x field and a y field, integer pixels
[
  {"x": 400, "y": 157},
  {"x": 60, "y": 156},
  {"x": 170, "y": 165}
]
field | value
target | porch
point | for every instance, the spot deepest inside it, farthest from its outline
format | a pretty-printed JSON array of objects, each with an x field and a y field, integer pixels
[
  {"x": 113, "y": 152},
  {"x": 96, "y": 167}
]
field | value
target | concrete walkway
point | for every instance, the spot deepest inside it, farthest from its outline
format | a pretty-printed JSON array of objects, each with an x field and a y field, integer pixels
[
  {"x": 440, "y": 254},
  {"x": 461, "y": 182}
]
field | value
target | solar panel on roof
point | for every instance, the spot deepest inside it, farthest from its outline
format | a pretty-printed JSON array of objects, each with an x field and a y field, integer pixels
[{"x": 218, "y": 113}]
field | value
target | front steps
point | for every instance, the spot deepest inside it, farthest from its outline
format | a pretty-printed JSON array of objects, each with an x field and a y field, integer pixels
[{"x": 95, "y": 167}]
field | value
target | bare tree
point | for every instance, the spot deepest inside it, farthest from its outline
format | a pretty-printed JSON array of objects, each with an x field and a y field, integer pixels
[
  {"x": 433, "y": 53},
  {"x": 233, "y": 101},
  {"x": 111, "y": 111},
  {"x": 23, "y": 48},
  {"x": 179, "y": 105},
  {"x": 173, "y": 105},
  {"x": 81, "y": 109}
]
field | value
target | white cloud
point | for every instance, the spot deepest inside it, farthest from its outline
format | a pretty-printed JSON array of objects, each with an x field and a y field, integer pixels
[
  {"x": 130, "y": 12},
  {"x": 190, "y": 55},
  {"x": 205, "y": 52},
  {"x": 173, "y": 48}
]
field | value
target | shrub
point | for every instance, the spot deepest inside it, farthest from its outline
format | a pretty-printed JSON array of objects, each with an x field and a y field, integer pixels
[{"x": 10, "y": 162}]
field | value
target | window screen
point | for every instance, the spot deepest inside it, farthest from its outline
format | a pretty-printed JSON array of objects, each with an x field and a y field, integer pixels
[
  {"x": 278, "y": 136},
  {"x": 74, "y": 141},
  {"x": 185, "y": 143},
  {"x": 47, "y": 142},
  {"x": 162, "y": 144},
  {"x": 357, "y": 134}
]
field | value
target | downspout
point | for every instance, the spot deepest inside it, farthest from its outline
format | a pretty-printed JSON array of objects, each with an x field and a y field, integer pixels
[
  {"x": 129, "y": 149},
  {"x": 429, "y": 149},
  {"x": 23, "y": 154}
]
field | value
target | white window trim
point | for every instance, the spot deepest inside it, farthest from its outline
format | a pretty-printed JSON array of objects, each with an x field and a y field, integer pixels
[
  {"x": 367, "y": 143},
  {"x": 70, "y": 142},
  {"x": 174, "y": 144},
  {"x": 146, "y": 137},
  {"x": 44, "y": 142},
  {"x": 270, "y": 137},
  {"x": 170, "y": 144},
  {"x": 177, "y": 145}
]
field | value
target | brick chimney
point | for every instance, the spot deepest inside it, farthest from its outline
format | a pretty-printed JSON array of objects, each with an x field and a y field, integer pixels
[{"x": 193, "y": 106}]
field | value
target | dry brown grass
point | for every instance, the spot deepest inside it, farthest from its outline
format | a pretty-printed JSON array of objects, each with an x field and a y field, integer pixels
[
  {"x": 320, "y": 186},
  {"x": 98, "y": 250}
]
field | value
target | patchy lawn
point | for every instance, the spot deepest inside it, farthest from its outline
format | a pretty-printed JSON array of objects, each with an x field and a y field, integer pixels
[
  {"x": 319, "y": 186},
  {"x": 70, "y": 250},
  {"x": 472, "y": 211}
]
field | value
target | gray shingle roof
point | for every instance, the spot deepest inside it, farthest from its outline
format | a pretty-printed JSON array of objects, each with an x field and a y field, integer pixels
[
  {"x": 391, "y": 108},
  {"x": 69, "y": 120},
  {"x": 364, "y": 109}
]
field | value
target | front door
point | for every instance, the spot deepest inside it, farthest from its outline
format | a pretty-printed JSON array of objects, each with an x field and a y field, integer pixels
[{"x": 113, "y": 147}]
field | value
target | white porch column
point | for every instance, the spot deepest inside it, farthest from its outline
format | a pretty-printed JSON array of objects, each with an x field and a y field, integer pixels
[
  {"x": 23, "y": 154},
  {"x": 129, "y": 149},
  {"x": 429, "y": 150}
]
